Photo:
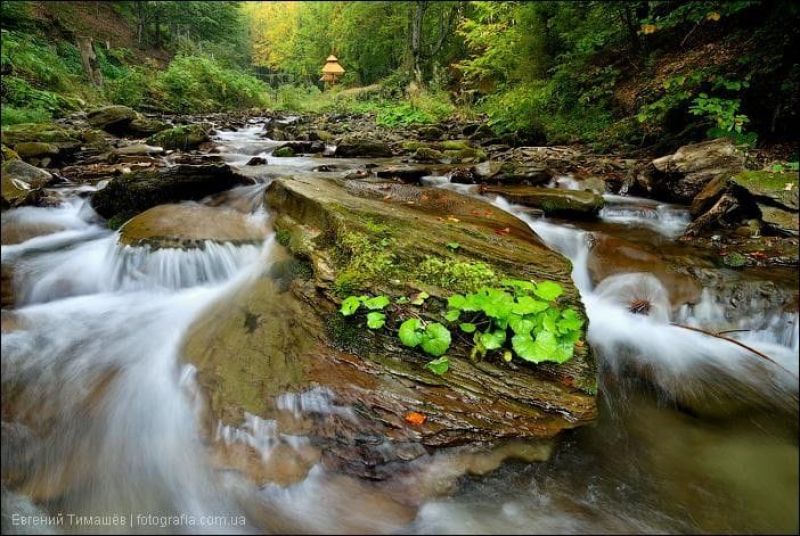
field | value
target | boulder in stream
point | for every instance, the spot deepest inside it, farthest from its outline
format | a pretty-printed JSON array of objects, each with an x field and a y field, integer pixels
[
  {"x": 183, "y": 137},
  {"x": 554, "y": 202},
  {"x": 283, "y": 338},
  {"x": 189, "y": 225},
  {"x": 22, "y": 183},
  {"x": 679, "y": 177},
  {"x": 130, "y": 194},
  {"x": 115, "y": 119},
  {"x": 351, "y": 147}
]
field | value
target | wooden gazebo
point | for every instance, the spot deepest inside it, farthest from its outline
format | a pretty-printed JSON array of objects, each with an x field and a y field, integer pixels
[{"x": 332, "y": 70}]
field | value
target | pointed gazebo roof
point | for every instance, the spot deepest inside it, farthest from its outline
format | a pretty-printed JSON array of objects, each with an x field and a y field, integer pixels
[{"x": 332, "y": 66}]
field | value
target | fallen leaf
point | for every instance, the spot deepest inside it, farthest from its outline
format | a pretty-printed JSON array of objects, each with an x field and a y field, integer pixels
[
  {"x": 415, "y": 418},
  {"x": 713, "y": 15},
  {"x": 503, "y": 231},
  {"x": 453, "y": 219},
  {"x": 387, "y": 197}
]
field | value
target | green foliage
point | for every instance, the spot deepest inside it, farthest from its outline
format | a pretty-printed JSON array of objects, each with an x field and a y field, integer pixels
[
  {"x": 439, "y": 366},
  {"x": 193, "y": 84},
  {"x": 12, "y": 115},
  {"x": 541, "y": 331},
  {"x": 375, "y": 320}
]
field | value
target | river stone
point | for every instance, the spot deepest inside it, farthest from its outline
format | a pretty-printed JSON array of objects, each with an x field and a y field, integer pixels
[
  {"x": 407, "y": 173},
  {"x": 183, "y": 137},
  {"x": 263, "y": 343},
  {"x": 681, "y": 176},
  {"x": 144, "y": 126},
  {"x": 138, "y": 149},
  {"x": 778, "y": 189},
  {"x": 188, "y": 225},
  {"x": 130, "y": 194},
  {"x": 22, "y": 182},
  {"x": 360, "y": 148},
  {"x": 36, "y": 149},
  {"x": 554, "y": 202},
  {"x": 7, "y": 153},
  {"x": 40, "y": 132},
  {"x": 114, "y": 119}
]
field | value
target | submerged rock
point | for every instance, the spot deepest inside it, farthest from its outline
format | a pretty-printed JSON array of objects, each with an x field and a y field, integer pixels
[
  {"x": 129, "y": 194},
  {"x": 554, "y": 202},
  {"x": 360, "y": 385},
  {"x": 188, "y": 225}
]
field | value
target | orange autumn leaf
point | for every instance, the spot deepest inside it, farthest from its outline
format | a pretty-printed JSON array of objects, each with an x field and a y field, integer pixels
[
  {"x": 503, "y": 231},
  {"x": 415, "y": 418},
  {"x": 648, "y": 28},
  {"x": 713, "y": 15}
]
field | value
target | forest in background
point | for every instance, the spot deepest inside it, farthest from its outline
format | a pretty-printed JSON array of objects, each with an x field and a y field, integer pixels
[{"x": 616, "y": 75}]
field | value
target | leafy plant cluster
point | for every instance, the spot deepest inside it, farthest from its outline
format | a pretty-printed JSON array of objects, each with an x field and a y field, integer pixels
[{"x": 517, "y": 318}]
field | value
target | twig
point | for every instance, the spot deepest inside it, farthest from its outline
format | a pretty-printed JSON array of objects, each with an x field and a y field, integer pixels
[
  {"x": 732, "y": 331},
  {"x": 734, "y": 341}
]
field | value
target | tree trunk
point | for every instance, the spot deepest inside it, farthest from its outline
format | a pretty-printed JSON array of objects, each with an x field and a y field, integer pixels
[
  {"x": 89, "y": 60},
  {"x": 417, "y": 18}
]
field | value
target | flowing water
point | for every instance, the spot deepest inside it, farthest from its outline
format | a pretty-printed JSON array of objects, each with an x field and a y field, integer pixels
[{"x": 696, "y": 433}]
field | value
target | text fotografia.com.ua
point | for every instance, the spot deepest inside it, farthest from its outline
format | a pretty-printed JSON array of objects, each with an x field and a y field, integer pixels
[{"x": 128, "y": 520}]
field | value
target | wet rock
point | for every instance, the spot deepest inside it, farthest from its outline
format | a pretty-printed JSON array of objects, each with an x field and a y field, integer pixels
[
  {"x": 721, "y": 205},
  {"x": 302, "y": 147},
  {"x": 130, "y": 194},
  {"x": 554, "y": 202},
  {"x": 138, "y": 149},
  {"x": 114, "y": 119},
  {"x": 283, "y": 152},
  {"x": 681, "y": 176},
  {"x": 428, "y": 154},
  {"x": 497, "y": 173},
  {"x": 183, "y": 137},
  {"x": 257, "y": 161},
  {"x": 143, "y": 126},
  {"x": 36, "y": 149},
  {"x": 190, "y": 225},
  {"x": 410, "y": 174},
  {"x": 361, "y": 148},
  {"x": 95, "y": 140},
  {"x": 264, "y": 343},
  {"x": 8, "y": 153},
  {"x": 40, "y": 132},
  {"x": 22, "y": 183},
  {"x": 430, "y": 133}
]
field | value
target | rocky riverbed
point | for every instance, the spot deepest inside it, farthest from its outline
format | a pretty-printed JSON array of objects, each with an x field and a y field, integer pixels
[{"x": 220, "y": 249}]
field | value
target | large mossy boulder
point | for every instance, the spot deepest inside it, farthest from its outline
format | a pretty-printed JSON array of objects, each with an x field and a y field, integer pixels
[
  {"x": 362, "y": 148},
  {"x": 184, "y": 137},
  {"x": 130, "y": 194},
  {"x": 22, "y": 183},
  {"x": 114, "y": 119},
  {"x": 679, "y": 177},
  {"x": 553, "y": 201},
  {"x": 40, "y": 143},
  {"x": 375, "y": 405},
  {"x": 189, "y": 225}
]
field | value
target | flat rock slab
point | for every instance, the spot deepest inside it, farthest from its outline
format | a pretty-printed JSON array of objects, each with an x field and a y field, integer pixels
[
  {"x": 188, "y": 224},
  {"x": 283, "y": 333}
]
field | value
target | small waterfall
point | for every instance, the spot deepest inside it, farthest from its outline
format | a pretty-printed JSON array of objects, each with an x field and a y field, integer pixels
[
  {"x": 103, "y": 265},
  {"x": 665, "y": 219}
]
